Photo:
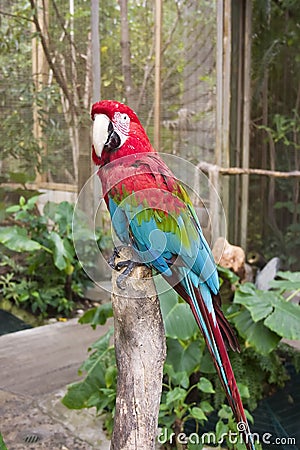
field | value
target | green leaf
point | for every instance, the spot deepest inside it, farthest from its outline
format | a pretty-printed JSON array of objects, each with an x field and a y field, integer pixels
[
  {"x": 206, "y": 363},
  {"x": 20, "y": 177},
  {"x": 225, "y": 412},
  {"x": 279, "y": 316},
  {"x": 198, "y": 414},
  {"x": 228, "y": 275},
  {"x": 2, "y": 444},
  {"x": 110, "y": 376},
  {"x": 22, "y": 201},
  {"x": 206, "y": 407},
  {"x": 205, "y": 385},
  {"x": 31, "y": 202},
  {"x": 194, "y": 445},
  {"x": 175, "y": 395},
  {"x": 64, "y": 216},
  {"x": 16, "y": 238},
  {"x": 221, "y": 430},
  {"x": 289, "y": 281},
  {"x": 243, "y": 390},
  {"x": 177, "y": 378},
  {"x": 284, "y": 319},
  {"x": 13, "y": 209},
  {"x": 257, "y": 302},
  {"x": 183, "y": 358},
  {"x": 60, "y": 251},
  {"x": 178, "y": 318},
  {"x": 97, "y": 316},
  {"x": 78, "y": 394},
  {"x": 256, "y": 334}
]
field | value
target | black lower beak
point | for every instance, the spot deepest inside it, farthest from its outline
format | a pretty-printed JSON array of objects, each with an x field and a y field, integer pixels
[{"x": 113, "y": 141}]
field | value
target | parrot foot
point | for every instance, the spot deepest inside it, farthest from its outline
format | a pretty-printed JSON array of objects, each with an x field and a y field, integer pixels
[
  {"x": 130, "y": 265},
  {"x": 116, "y": 254}
]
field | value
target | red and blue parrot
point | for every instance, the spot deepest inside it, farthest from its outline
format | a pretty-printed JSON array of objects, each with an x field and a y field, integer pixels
[{"x": 151, "y": 211}]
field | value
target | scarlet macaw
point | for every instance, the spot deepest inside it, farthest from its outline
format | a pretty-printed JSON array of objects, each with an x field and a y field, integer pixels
[{"x": 152, "y": 212}]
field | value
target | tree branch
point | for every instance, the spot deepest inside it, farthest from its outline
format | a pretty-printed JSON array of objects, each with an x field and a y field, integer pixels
[
  {"x": 206, "y": 167},
  {"x": 55, "y": 68},
  {"x": 140, "y": 353}
]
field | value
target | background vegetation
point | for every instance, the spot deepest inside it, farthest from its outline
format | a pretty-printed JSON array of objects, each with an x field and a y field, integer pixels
[
  {"x": 45, "y": 132},
  {"x": 61, "y": 95},
  {"x": 191, "y": 389}
]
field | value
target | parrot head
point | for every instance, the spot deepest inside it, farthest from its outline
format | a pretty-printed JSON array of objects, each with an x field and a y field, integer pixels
[{"x": 117, "y": 132}]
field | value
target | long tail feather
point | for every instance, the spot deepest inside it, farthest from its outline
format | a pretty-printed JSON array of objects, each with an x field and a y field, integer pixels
[{"x": 207, "y": 322}]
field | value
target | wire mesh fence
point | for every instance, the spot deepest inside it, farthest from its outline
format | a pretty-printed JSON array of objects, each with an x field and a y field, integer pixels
[{"x": 39, "y": 120}]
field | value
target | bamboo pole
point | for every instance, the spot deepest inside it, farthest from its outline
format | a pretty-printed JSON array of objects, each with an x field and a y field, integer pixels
[
  {"x": 246, "y": 123},
  {"x": 96, "y": 81},
  {"x": 157, "y": 87},
  {"x": 214, "y": 206},
  {"x": 223, "y": 107},
  {"x": 40, "y": 71}
]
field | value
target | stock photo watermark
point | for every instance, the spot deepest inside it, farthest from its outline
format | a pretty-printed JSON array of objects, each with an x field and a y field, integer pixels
[{"x": 231, "y": 437}]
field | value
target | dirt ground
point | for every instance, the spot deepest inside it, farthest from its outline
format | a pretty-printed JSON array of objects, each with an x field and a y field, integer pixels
[{"x": 36, "y": 366}]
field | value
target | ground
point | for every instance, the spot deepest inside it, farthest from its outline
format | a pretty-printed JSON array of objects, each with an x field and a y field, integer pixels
[{"x": 36, "y": 366}]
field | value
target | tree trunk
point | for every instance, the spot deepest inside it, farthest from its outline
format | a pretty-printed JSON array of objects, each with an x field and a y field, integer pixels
[
  {"x": 140, "y": 353},
  {"x": 126, "y": 54}
]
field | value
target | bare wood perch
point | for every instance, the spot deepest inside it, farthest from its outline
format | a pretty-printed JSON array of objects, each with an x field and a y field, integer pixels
[
  {"x": 140, "y": 353},
  {"x": 207, "y": 167}
]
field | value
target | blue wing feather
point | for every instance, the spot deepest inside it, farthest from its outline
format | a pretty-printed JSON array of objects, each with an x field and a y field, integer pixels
[{"x": 159, "y": 248}]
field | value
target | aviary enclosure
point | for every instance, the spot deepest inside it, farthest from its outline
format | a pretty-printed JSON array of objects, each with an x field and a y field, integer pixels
[{"x": 211, "y": 81}]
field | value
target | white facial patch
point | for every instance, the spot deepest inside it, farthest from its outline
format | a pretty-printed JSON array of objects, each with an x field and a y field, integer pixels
[
  {"x": 121, "y": 123},
  {"x": 100, "y": 132}
]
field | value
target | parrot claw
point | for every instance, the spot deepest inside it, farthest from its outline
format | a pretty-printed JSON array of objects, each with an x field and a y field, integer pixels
[
  {"x": 116, "y": 254},
  {"x": 130, "y": 265}
]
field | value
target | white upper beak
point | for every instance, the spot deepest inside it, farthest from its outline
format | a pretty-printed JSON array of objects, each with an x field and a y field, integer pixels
[{"x": 100, "y": 132}]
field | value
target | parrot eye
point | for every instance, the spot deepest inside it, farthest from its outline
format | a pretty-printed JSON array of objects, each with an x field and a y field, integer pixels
[{"x": 124, "y": 119}]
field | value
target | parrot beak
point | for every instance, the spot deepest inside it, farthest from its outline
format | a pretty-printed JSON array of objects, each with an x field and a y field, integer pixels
[
  {"x": 104, "y": 134},
  {"x": 100, "y": 132}
]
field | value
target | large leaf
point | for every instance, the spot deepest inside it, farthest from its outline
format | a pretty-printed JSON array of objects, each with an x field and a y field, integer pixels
[
  {"x": 270, "y": 307},
  {"x": 79, "y": 394},
  {"x": 183, "y": 358},
  {"x": 98, "y": 315},
  {"x": 289, "y": 281},
  {"x": 257, "y": 302},
  {"x": 256, "y": 334},
  {"x": 61, "y": 251},
  {"x": 178, "y": 318},
  {"x": 284, "y": 319},
  {"x": 16, "y": 238}
]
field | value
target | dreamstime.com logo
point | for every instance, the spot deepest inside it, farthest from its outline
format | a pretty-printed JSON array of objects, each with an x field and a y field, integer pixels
[{"x": 231, "y": 437}]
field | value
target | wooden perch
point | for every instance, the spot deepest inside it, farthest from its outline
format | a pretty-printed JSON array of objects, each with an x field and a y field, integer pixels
[
  {"x": 140, "y": 353},
  {"x": 207, "y": 167}
]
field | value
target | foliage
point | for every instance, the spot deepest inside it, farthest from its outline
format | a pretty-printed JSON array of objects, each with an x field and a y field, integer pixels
[
  {"x": 191, "y": 390},
  {"x": 98, "y": 389},
  {"x": 2, "y": 444},
  {"x": 40, "y": 270},
  {"x": 274, "y": 204},
  {"x": 61, "y": 116}
]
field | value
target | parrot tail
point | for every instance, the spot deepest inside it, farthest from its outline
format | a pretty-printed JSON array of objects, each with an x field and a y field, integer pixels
[{"x": 202, "y": 303}]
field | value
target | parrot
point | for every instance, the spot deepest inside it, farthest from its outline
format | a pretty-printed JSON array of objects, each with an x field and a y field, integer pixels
[{"x": 152, "y": 213}]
